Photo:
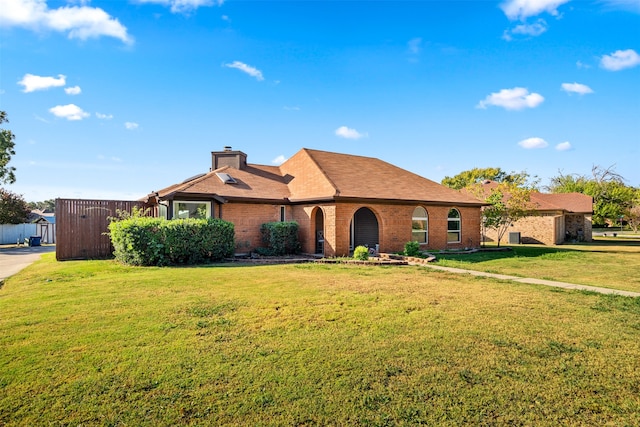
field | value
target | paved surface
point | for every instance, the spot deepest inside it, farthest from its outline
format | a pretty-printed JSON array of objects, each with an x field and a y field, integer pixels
[
  {"x": 15, "y": 258},
  {"x": 552, "y": 283}
]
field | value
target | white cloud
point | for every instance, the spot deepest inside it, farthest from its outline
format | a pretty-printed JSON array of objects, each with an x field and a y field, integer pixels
[
  {"x": 630, "y": 5},
  {"x": 131, "y": 125},
  {"x": 74, "y": 90},
  {"x": 82, "y": 22},
  {"x": 253, "y": 72},
  {"x": 348, "y": 133},
  {"x": 564, "y": 146},
  {"x": 523, "y": 9},
  {"x": 32, "y": 82},
  {"x": 184, "y": 6},
  {"x": 279, "y": 160},
  {"x": 582, "y": 65},
  {"x": 576, "y": 88},
  {"x": 531, "y": 143},
  {"x": 620, "y": 59},
  {"x": 532, "y": 30},
  {"x": 69, "y": 112},
  {"x": 104, "y": 116},
  {"x": 512, "y": 99}
]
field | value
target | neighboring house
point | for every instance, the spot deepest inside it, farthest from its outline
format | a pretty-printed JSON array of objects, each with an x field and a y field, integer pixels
[
  {"x": 555, "y": 219},
  {"x": 45, "y": 224},
  {"x": 340, "y": 201}
]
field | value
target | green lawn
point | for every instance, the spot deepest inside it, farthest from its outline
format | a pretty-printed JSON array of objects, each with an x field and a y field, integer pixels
[
  {"x": 97, "y": 343},
  {"x": 606, "y": 262}
]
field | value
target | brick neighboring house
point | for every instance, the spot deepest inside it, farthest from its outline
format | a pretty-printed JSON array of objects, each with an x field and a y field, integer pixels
[
  {"x": 556, "y": 218},
  {"x": 340, "y": 201}
]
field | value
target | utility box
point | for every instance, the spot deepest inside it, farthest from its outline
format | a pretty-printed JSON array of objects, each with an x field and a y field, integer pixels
[{"x": 514, "y": 237}]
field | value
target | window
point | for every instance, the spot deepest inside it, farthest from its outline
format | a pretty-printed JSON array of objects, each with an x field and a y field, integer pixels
[
  {"x": 283, "y": 211},
  {"x": 191, "y": 209},
  {"x": 453, "y": 226},
  {"x": 420, "y": 225}
]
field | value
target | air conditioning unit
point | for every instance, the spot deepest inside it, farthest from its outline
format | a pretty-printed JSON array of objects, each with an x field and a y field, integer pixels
[{"x": 514, "y": 237}]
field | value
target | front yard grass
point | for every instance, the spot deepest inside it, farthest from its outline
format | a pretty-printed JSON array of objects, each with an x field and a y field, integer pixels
[
  {"x": 607, "y": 263},
  {"x": 98, "y": 343}
]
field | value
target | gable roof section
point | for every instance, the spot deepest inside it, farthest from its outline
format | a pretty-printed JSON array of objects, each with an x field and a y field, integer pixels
[{"x": 321, "y": 175}]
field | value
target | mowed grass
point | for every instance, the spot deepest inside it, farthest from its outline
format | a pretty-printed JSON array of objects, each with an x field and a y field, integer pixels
[
  {"x": 607, "y": 263},
  {"x": 98, "y": 343}
]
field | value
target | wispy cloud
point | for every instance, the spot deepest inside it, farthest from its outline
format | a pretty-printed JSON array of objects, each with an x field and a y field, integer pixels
[
  {"x": 564, "y": 146},
  {"x": 580, "y": 65},
  {"x": 73, "y": 90},
  {"x": 184, "y": 6},
  {"x": 517, "y": 98},
  {"x": 33, "y": 83},
  {"x": 104, "y": 116},
  {"x": 415, "y": 45},
  {"x": 279, "y": 160},
  {"x": 78, "y": 22},
  {"x": 248, "y": 69},
  {"x": 576, "y": 88},
  {"x": 531, "y": 143},
  {"x": 69, "y": 112},
  {"x": 620, "y": 59},
  {"x": 349, "y": 133},
  {"x": 629, "y": 5},
  {"x": 131, "y": 125},
  {"x": 523, "y": 9},
  {"x": 526, "y": 30}
]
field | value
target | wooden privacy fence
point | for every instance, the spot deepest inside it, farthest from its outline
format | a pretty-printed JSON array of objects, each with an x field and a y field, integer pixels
[{"x": 81, "y": 226}]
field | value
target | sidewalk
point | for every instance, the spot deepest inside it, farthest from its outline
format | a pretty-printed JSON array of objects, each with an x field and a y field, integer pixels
[
  {"x": 552, "y": 283},
  {"x": 14, "y": 258}
]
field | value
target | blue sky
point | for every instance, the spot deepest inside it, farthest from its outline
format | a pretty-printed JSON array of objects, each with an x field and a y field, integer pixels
[{"x": 115, "y": 99}]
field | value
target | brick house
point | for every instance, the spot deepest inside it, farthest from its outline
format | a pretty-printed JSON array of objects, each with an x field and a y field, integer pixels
[
  {"x": 556, "y": 218},
  {"x": 340, "y": 201}
]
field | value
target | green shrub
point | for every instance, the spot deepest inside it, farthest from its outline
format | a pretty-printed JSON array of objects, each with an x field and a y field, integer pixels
[
  {"x": 361, "y": 253},
  {"x": 281, "y": 238},
  {"x": 156, "y": 241},
  {"x": 412, "y": 249}
]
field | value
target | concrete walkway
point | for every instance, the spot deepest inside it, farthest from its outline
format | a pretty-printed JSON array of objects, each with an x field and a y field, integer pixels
[
  {"x": 15, "y": 258},
  {"x": 552, "y": 283}
]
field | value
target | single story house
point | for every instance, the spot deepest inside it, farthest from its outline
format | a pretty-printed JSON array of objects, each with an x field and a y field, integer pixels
[
  {"x": 339, "y": 200},
  {"x": 556, "y": 218}
]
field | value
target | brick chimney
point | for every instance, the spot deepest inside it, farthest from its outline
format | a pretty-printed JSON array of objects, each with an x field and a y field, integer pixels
[{"x": 228, "y": 157}]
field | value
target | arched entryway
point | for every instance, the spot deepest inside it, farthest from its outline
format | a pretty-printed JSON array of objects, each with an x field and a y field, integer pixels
[
  {"x": 319, "y": 231},
  {"x": 364, "y": 229}
]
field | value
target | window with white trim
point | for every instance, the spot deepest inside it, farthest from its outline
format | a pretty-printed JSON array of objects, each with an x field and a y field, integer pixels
[
  {"x": 191, "y": 209},
  {"x": 420, "y": 225},
  {"x": 453, "y": 226}
]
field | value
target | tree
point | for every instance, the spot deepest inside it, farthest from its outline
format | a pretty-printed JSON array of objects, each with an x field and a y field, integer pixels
[
  {"x": 508, "y": 202},
  {"x": 13, "y": 208},
  {"x": 7, "y": 173},
  {"x": 611, "y": 197},
  {"x": 478, "y": 175},
  {"x": 632, "y": 215}
]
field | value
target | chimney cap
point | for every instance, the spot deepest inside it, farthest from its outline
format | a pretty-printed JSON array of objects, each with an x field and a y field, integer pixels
[{"x": 227, "y": 148}]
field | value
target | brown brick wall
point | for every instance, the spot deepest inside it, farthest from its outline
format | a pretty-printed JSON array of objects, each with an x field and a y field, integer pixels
[
  {"x": 549, "y": 228},
  {"x": 394, "y": 225}
]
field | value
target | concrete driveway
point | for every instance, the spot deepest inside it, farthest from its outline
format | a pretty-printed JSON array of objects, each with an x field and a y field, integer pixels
[{"x": 14, "y": 259}]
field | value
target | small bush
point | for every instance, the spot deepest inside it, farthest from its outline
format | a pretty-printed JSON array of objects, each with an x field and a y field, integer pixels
[
  {"x": 156, "y": 241},
  {"x": 412, "y": 249},
  {"x": 361, "y": 253},
  {"x": 281, "y": 238}
]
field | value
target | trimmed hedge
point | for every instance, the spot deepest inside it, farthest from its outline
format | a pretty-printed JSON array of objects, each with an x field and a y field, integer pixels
[
  {"x": 157, "y": 241},
  {"x": 281, "y": 238}
]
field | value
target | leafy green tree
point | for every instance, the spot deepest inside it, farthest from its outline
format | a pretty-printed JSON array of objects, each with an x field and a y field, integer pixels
[
  {"x": 7, "y": 173},
  {"x": 611, "y": 197},
  {"x": 13, "y": 208},
  {"x": 632, "y": 214},
  {"x": 508, "y": 202},
  {"x": 478, "y": 175}
]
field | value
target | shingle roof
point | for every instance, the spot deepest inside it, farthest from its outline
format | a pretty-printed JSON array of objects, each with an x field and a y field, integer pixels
[
  {"x": 570, "y": 202},
  {"x": 321, "y": 175}
]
